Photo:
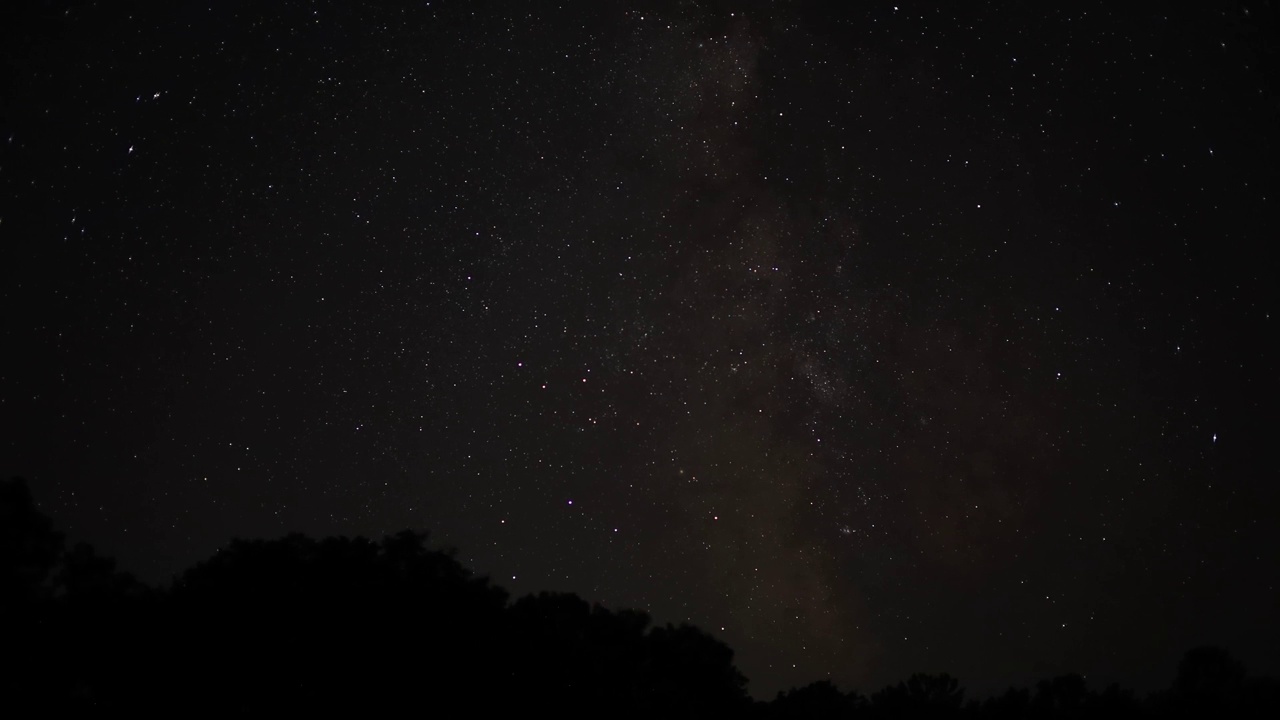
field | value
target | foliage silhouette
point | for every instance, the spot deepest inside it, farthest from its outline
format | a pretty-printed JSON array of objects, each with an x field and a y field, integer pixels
[
  {"x": 29, "y": 547},
  {"x": 357, "y": 626},
  {"x": 820, "y": 699},
  {"x": 921, "y": 696}
]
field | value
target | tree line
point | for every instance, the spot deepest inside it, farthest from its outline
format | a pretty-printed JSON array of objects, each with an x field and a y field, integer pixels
[{"x": 358, "y": 626}]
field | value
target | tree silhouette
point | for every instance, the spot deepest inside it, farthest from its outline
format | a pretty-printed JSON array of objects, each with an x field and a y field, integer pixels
[
  {"x": 29, "y": 554},
  {"x": 692, "y": 671},
  {"x": 921, "y": 696},
  {"x": 355, "y": 626},
  {"x": 29, "y": 548},
  {"x": 820, "y": 699},
  {"x": 1014, "y": 703},
  {"x": 1208, "y": 680},
  {"x": 1062, "y": 696}
]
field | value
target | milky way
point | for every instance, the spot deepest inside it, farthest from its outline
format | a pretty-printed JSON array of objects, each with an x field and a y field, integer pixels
[{"x": 872, "y": 340}]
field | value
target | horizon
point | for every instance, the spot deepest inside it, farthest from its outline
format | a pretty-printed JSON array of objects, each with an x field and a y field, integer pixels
[
  {"x": 870, "y": 337},
  {"x": 68, "y": 581}
]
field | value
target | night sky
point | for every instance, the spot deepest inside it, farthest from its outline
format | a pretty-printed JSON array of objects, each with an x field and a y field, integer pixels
[{"x": 870, "y": 338}]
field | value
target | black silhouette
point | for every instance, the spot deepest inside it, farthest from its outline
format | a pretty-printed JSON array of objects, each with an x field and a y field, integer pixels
[
  {"x": 349, "y": 625},
  {"x": 820, "y": 699}
]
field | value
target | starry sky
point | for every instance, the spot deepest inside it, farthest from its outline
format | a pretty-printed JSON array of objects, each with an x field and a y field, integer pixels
[{"x": 871, "y": 338}]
